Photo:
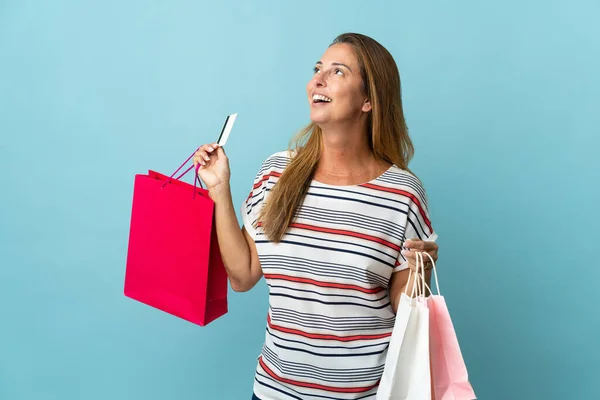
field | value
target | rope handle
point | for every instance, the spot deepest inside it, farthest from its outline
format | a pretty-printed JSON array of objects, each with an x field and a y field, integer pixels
[{"x": 196, "y": 178}]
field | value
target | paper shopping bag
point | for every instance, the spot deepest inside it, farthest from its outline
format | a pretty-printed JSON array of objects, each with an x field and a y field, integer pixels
[
  {"x": 448, "y": 369},
  {"x": 389, "y": 377},
  {"x": 173, "y": 258},
  {"x": 406, "y": 374}
]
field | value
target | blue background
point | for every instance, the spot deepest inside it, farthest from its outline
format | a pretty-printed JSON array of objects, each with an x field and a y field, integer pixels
[{"x": 502, "y": 102}]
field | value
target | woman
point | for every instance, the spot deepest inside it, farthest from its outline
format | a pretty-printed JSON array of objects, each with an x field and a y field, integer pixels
[{"x": 327, "y": 224}]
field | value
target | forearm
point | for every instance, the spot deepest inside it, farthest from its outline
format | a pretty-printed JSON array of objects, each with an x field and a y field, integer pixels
[{"x": 235, "y": 252}]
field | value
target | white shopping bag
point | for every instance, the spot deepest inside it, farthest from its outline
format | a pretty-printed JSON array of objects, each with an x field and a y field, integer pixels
[{"x": 406, "y": 375}]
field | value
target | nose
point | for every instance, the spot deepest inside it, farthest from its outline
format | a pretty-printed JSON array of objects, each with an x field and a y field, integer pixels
[{"x": 319, "y": 80}]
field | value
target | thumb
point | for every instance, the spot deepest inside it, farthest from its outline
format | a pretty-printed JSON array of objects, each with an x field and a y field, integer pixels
[{"x": 221, "y": 152}]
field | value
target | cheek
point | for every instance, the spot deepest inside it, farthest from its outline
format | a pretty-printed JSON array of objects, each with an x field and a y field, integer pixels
[{"x": 349, "y": 98}]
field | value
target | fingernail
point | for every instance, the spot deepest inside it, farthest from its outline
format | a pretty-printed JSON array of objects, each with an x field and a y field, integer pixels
[
  {"x": 404, "y": 252},
  {"x": 211, "y": 149},
  {"x": 207, "y": 158}
]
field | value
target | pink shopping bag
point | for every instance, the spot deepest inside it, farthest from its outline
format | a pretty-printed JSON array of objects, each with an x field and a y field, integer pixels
[
  {"x": 173, "y": 258},
  {"x": 450, "y": 379}
]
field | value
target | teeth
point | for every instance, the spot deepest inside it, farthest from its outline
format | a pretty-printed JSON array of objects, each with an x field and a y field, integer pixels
[{"x": 321, "y": 97}]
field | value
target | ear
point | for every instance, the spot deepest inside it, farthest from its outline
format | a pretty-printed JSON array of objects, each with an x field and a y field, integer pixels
[{"x": 366, "y": 106}]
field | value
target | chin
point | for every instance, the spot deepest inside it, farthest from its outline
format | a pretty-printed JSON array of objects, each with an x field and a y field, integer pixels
[
  {"x": 318, "y": 119},
  {"x": 319, "y": 122}
]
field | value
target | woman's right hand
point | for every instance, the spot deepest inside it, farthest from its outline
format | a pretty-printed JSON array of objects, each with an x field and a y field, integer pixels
[{"x": 214, "y": 165}]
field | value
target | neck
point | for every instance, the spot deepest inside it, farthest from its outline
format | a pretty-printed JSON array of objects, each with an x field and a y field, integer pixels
[{"x": 346, "y": 152}]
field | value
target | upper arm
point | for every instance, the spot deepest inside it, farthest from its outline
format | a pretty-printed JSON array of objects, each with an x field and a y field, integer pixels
[
  {"x": 396, "y": 286},
  {"x": 416, "y": 223},
  {"x": 250, "y": 212},
  {"x": 255, "y": 267}
]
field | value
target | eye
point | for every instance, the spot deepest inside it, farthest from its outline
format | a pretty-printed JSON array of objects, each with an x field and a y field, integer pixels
[
  {"x": 339, "y": 71},
  {"x": 316, "y": 69}
]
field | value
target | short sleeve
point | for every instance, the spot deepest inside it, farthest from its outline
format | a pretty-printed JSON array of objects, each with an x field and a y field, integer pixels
[
  {"x": 255, "y": 201},
  {"x": 418, "y": 223}
]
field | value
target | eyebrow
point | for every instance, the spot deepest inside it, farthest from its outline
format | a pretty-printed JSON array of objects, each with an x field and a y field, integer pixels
[{"x": 336, "y": 63}]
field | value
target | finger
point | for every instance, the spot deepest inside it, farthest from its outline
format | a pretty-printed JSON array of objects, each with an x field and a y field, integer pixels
[
  {"x": 426, "y": 261},
  {"x": 221, "y": 152},
  {"x": 412, "y": 265},
  {"x": 206, "y": 154},
  {"x": 203, "y": 154},
  {"x": 429, "y": 258},
  {"x": 210, "y": 148},
  {"x": 207, "y": 148},
  {"x": 414, "y": 244},
  {"x": 199, "y": 159},
  {"x": 410, "y": 255},
  {"x": 433, "y": 255},
  {"x": 430, "y": 246}
]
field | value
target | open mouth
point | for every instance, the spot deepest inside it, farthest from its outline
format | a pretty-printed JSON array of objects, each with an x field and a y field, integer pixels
[{"x": 319, "y": 98}]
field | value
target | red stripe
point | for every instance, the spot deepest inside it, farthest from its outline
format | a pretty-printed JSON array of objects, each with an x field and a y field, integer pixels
[
  {"x": 323, "y": 284},
  {"x": 314, "y": 385},
  {"x": 346, "y": 233},
  {"x": 262, "y": 179},
  {"x": 266, "y": 177},
  {"x": 411, "y": 196},
  {"x": 326, "y": 337}
]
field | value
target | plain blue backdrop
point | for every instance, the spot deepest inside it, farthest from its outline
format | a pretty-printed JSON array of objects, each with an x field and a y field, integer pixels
[{"x": 502, "y": 103}]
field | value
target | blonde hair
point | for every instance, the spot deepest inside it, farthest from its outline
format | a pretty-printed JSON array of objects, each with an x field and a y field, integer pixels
[{"x": 389, "y": 139}]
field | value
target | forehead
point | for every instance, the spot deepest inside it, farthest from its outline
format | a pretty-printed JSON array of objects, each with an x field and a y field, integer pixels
[{"x": 340, "y": 53}]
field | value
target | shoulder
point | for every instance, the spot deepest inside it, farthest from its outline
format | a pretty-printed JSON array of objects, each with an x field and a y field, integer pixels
[
  {"x": 276, "y": 162},
  {"x": 272, "y": 167},
  {"x": 280, "y": 158},
  {"x": 404, "y": 183}
]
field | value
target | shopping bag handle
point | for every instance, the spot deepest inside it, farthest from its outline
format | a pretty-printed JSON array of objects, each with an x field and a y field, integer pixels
[
  {"x": 420, "y": 285},
  {"x": 196, "y": 178},
  {"x": 412, "y": 294},
  {"x": 437, "y": 284}
]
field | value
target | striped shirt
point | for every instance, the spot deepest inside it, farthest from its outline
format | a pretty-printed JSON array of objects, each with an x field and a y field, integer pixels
[{"x": 330, "y": 319}]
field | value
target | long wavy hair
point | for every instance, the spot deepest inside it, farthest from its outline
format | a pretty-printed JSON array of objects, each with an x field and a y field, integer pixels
[{"x": 388, "y": 134}]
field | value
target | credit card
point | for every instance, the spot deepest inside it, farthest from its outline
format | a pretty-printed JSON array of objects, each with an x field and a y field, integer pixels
[{"x": 226, "y": 129}]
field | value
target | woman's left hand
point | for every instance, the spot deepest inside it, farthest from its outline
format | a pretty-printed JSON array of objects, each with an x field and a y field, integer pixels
[{"x": 415, "y": 246}]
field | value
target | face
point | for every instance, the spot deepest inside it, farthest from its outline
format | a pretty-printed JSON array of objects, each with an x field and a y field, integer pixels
[{"x": 335, "y": 93}]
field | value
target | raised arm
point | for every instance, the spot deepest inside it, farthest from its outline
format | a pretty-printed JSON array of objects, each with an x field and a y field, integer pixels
[{"x": 237, "y": 247}]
